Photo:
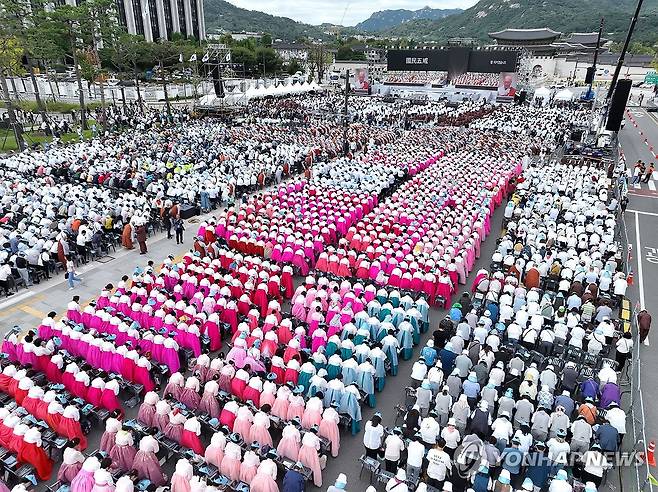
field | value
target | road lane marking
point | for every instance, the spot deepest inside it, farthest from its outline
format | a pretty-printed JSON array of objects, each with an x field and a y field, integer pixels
[
  {"x": 652, "y": 186},
  {"x": 641, "y": 212},
  {"x": 16, "y": 298},
  {"x": 34, "y": 312},
  {"x": 640, "y": 278}
]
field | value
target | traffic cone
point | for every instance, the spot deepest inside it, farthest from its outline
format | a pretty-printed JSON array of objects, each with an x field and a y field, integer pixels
[{"x": 651, "y": 459}]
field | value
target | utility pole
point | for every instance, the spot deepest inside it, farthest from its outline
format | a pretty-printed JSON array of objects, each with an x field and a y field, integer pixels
[
  {"x": 346, "y": 145},
  {"x": 620, "y": 63},
  {"x": 596, "y": 57}
]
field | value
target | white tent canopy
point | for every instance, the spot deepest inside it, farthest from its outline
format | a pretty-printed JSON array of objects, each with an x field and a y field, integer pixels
[
  {"x": 543, "y": 92},
  {"x": 564, "y": 95}
]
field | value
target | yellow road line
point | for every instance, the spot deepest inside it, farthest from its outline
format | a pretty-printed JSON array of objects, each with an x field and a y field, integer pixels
[{"x": 34, "y": 312}]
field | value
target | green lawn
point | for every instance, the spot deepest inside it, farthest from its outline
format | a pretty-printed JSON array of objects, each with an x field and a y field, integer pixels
[{"x": 8, "y": 142}]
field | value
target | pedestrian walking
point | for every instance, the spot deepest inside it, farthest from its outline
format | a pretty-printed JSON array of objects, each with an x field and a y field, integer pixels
[
  {"x": 644, "y": 322},
  {"x": 71, "y": 275},
  {"x": 649, "y": 173},
  {"x": 638, "y": 171}
]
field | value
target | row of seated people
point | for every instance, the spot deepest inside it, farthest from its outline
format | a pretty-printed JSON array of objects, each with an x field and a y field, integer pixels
[
  {"x": 91, "y": 384},
  {"x": 401, "y": 77},
  {"x": 427, "y": 235},
  {"x": 476, "y": 79},
  {"x": 267, "y": 224},
  {"x": 526, "y": 370}
]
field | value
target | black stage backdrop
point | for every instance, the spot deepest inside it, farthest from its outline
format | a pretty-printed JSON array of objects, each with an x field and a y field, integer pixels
[
  {"x": 492, "y": 61},
  {"x": 417, "y": 60},
  {"x": 456, "y": 60}
]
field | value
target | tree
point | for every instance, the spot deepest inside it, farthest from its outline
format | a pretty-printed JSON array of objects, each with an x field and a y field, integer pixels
[
  {"x": 293, "y": 67},
  {"x": 10, "y": 54},
  {"x": 268, "y": 60},
  {"x": 11, "y": 25},
  {"x": 245, "y": 56},
  {"x": 21, "y": 17},
  {"x": 72, "y": 21},
  {"x": 45, "y": 43},
  {"x": 165, "y": 52},
  {"x": 266, "y": 40},
  {"x": 126, "y": 53},
  {"x": 347, "y": 53},
  {"x": 318, "y": 59}
]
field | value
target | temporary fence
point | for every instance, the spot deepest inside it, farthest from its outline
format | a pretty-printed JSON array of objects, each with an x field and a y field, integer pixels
[{"x": 635, "y": 441}]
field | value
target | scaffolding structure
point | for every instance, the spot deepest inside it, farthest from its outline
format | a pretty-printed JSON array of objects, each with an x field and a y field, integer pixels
[{"x": 219, "y": 68}]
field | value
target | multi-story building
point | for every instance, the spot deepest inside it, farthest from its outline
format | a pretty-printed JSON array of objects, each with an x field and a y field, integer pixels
[{"x": 158, "y": 19}]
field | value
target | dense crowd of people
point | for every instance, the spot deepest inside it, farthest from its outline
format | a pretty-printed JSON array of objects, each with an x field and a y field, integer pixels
[
  {"x": 518, "y": 387},
  {"x": 244, "y": 376},
  {"x": 548, "y": 124},
  {"x": 476, "y": 79},
  {"x": 415, "y": 78}
]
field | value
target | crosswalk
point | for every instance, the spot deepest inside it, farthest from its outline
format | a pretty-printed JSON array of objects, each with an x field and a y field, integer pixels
[{"x": 650, "y": 185}]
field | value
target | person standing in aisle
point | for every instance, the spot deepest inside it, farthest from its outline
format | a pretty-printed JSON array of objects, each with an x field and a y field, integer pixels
[
  {"x": 372, "y": 437},
  {"x": 179, "y": 227},
  {"x": 140, "y": 234}
]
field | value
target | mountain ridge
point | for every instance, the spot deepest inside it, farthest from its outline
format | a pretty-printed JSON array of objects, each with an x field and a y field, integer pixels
[
  {"x": 566, "y": 16},
  {"x": 223, "y": 15},
  {"x": 385, "y": 19}
]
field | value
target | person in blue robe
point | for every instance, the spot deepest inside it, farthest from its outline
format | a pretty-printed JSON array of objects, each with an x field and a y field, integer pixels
[
  {"x": 390, "y": 347},
  {"x": 416, "y": 326},
  {"x": 456, "y": 312},
  {"x": 447, "y": 357},
  {"x": 429, "y": 353},
  {"x": 305, "y": 375},
  {"x": 334, "y": 391},
  {"x": 380, "y": 330},
  {"x": 378, "y": 358},
  {"x": 397, "y": 316},
  {"x": 362, "y": 335},
  {"x": 332, "y": 347},
  {"x": 349, "y": 404},
  {"x": 349, "y": 371},
  {"x": 373, "y": 308},
  {"x": 365, "y": 378},
  {"x": 334, "y": 366},
  {"x": 424, "y": 310},
  {"x": 382, "y": 296},
  {"x": 385, "y": 311},
  {"x": 405, "y": 339},
  {"x": 347, "y": 348},
  {"x": 492, "y": 307}
]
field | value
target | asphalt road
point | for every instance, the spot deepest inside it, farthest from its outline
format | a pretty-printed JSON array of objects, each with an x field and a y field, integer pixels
[{"x": 641, "y": 225}]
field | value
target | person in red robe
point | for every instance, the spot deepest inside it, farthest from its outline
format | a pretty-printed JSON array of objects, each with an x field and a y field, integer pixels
[
  {"x": 33, "y": 453},
  {"x": 69, "y": 426}
]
